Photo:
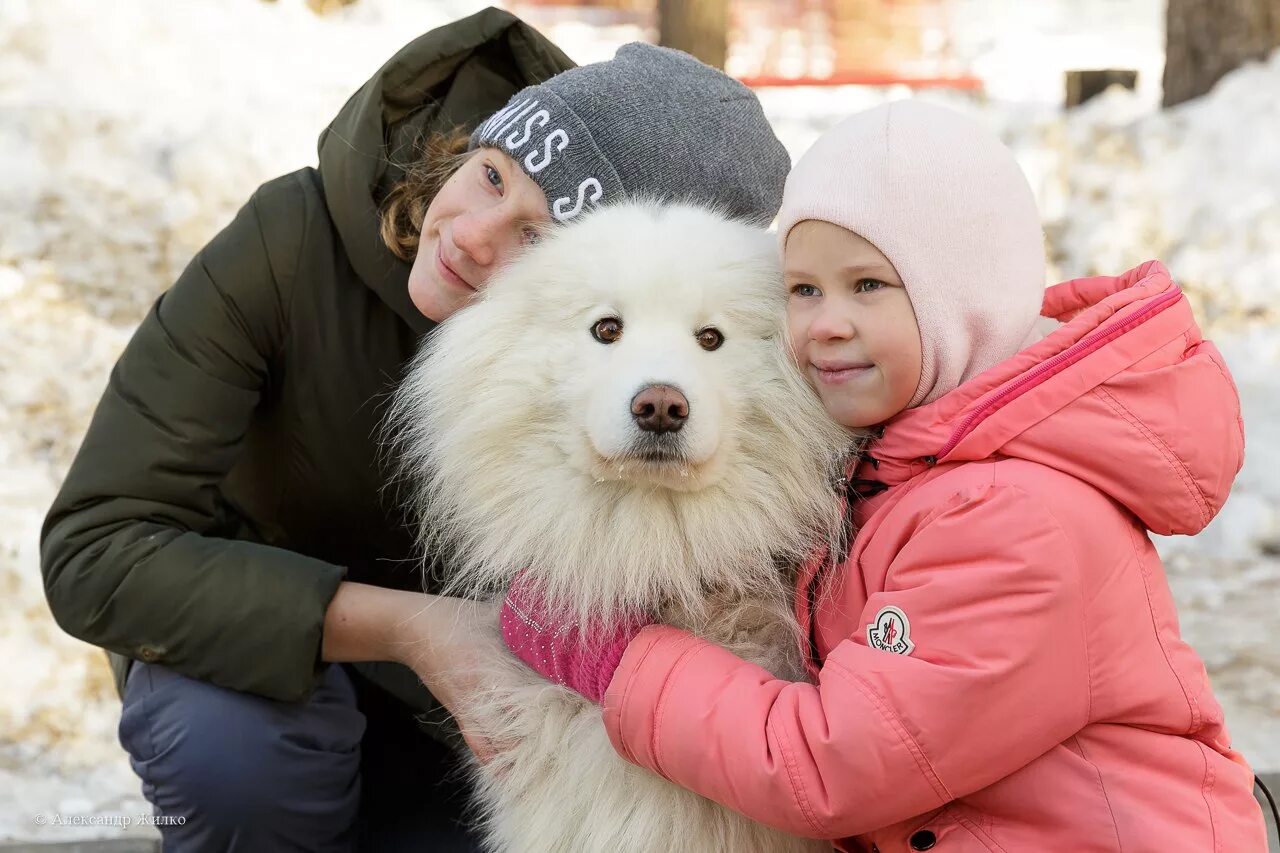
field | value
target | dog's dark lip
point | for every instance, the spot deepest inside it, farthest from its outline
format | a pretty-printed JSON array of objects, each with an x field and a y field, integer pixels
[
  {"x": 658, "y": 456},
  {"x": 653, "y": 452}
]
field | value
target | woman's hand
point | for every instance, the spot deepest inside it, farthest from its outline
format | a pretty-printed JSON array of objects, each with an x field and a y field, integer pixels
[
  {"x": 446, "y": 642},
  {"x": 442, "y": 639}
]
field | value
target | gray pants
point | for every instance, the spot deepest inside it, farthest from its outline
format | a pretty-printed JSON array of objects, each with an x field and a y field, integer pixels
[{"x": 346, "y": 770}]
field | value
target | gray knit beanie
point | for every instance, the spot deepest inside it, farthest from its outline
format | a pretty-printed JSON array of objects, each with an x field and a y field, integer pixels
[{"x": 650, "y": 123}]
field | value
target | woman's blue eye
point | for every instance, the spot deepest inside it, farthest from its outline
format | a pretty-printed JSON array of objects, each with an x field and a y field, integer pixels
[
  {"x": 492, "y": 174},
  {"x": 805, "y": 290},
  {"x": 868, "y": 285}
]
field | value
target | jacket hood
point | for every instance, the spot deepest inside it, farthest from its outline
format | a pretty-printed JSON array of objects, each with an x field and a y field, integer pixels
[
  {"x": 1125, "y": 395},
  {"x": 452, "y": 77}
]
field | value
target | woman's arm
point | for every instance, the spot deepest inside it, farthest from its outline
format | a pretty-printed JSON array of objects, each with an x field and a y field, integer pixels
[
  {"x": 367, "y": 623},
  {"x": 372, "y": 623},
  {"x": 132, "y": 550}
]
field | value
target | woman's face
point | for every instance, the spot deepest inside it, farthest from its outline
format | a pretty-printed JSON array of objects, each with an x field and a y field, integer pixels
[{"x": 478, "y": 220}]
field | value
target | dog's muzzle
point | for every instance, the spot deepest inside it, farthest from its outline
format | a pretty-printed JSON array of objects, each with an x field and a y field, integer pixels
[{"x": 659, "y": 412}]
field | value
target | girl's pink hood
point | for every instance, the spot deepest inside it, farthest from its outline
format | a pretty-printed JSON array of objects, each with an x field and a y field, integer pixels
[{"x": 1126, "y": 396}]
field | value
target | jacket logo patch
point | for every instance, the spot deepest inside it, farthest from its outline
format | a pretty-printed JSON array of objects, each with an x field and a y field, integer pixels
[{"x": 890, "y": 632}]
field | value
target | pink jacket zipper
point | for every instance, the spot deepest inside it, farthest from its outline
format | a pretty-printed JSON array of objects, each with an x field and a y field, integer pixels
[{"x": 1081, "y": 348}]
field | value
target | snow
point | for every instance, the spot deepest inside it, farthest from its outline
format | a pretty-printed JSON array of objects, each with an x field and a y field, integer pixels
[
  {"x": 128, "y": 139},
  {"x": 1021, "y": 50}
]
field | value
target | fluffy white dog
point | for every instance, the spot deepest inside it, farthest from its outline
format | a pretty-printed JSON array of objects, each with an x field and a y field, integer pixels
[{"x": 619, "y": 413}]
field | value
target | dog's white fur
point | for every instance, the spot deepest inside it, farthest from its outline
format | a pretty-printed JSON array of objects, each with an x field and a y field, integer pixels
[{"x": 515, "y": 428}]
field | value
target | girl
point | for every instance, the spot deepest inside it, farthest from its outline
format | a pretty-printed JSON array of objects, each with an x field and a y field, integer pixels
[
  {"x": 996, "y": 661},
  {"x": 224, "y": 531}
]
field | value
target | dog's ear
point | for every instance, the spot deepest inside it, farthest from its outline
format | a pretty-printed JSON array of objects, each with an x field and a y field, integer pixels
[
  {"x": 799, "y": 409},
  {"x": 790, "y": 392},
  {"x": 786, "y": 364}
]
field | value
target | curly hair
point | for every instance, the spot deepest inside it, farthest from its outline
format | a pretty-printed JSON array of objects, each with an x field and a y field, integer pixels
[{"x": 438, "y": 156}]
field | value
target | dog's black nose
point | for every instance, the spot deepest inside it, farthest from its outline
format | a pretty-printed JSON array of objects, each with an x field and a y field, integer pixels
[{"x": 659, "y": 408}]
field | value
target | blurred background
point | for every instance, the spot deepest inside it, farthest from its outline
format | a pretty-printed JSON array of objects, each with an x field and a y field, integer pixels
[{"x": 131, "y": 130}]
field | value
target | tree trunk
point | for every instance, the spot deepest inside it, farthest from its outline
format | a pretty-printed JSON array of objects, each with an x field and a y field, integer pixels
[
  {"x": 1087, "y": 84},
  {"x": 1205, "y": 39},
  {"x": 699, "y": 27}
]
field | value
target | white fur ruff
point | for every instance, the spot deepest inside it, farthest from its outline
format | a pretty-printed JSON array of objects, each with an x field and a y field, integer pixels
[{"x": 516, "y": 431}]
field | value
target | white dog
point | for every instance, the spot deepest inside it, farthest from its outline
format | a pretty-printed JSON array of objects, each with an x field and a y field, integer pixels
[{"x": 619, "y": 413}]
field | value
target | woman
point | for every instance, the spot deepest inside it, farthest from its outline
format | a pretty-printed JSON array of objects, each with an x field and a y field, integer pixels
[{"x": 225, "y": 531}]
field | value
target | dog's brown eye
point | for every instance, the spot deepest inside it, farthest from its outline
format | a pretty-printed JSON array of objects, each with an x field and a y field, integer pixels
[
  {"x": 607, "y": 331},
  {"x": 710, "y": 339}
]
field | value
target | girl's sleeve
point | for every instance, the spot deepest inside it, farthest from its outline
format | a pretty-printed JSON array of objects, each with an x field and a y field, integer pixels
[
  {"x": 137, "y": 550},
  {"x": 995, "y": 675}
]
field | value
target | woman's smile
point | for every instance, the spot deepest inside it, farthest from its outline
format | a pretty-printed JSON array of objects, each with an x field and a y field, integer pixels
[{"x": 446, "y": 272}]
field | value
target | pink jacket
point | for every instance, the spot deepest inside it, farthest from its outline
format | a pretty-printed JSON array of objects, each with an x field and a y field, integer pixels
[{"x": 1001, "y": 667}]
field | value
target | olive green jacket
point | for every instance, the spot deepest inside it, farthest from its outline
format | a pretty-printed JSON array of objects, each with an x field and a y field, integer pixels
[{"x": 231, "y": 475}]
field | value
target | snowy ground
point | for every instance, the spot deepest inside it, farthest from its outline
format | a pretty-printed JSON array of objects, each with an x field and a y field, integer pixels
[{"x": 127, "y": 139}]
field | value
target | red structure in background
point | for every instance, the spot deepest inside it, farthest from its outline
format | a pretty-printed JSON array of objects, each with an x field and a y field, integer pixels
[
  {"x": 812, "y": 42},
  {"x": 868, "y": 78}
]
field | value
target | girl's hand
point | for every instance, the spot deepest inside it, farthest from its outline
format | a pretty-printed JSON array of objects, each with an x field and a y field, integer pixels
[
  {"x": 582, "y": 658},
  {"x": 446, "y": 642}
]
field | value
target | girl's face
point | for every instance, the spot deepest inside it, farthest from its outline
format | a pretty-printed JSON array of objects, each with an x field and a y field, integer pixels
[
  {"x": 851, "y": 323},
  {"x": 479, "y": 219}
]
